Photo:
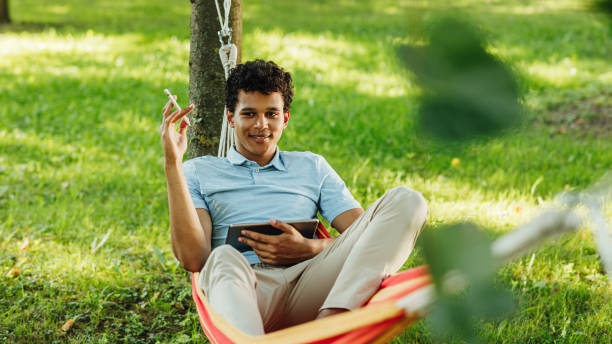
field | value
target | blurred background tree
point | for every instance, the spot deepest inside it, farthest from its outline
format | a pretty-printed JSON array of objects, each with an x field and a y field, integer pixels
[
  {"x": 206, "y": 76},
  {"x": 4, "y": 12}
]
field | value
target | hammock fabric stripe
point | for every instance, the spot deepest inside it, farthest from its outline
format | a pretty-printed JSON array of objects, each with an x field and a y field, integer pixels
[{"x": 378, "y": 321}]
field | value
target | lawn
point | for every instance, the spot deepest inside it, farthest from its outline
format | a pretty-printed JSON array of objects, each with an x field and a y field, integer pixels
[{"x": 80, "y": 97}]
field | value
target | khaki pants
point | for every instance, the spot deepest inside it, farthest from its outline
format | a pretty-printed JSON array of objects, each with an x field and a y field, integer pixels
[{"x": 344, "y": 275}]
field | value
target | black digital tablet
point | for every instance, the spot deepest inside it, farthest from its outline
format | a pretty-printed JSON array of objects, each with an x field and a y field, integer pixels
[{"x": 308, "y": 229}]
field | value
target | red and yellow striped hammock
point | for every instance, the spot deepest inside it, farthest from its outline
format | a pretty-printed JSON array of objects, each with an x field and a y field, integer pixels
[{"x": 378, "y": 321}]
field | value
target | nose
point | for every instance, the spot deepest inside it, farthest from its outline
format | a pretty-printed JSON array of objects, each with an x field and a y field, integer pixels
[{"x": 262, "y": 122}]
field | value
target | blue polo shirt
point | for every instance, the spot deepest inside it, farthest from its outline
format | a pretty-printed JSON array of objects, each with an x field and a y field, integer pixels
[{"x": 292, "y": 187}]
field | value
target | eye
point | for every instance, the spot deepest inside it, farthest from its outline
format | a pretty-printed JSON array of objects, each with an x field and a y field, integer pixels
[
  {"x": 247, "y": 114},
  {"x": 271, "y": 114}
]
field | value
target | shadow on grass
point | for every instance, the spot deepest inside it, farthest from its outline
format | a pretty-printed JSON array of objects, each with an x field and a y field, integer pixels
[
  {"x": 34, "y": 27},
  {"x": 159, "y": 19}
]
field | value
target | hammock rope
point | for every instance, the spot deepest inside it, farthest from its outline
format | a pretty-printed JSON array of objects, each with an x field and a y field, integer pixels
[{"x": 228, "y": 53}]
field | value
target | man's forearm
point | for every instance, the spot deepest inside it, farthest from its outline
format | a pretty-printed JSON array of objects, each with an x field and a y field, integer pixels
[{"x": 189, "y": 242}]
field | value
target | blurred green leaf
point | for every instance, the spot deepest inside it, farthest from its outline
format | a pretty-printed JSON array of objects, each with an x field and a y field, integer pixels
[
  {"x": 604, "y": 6},
  {"x": 467, "y": 92},
  {"x": 463, "y": 269}
]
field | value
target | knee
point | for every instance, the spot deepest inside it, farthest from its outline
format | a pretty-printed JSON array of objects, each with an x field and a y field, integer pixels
[
  {"x": 225, "y": 262},
  {"x": 225, "y": 250},
  {"x": 223, "y": 255},
  {"x": 409, "y": 202}
]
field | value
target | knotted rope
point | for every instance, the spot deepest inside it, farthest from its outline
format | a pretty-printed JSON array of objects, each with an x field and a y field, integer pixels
[{"x": 228, "y": 54}]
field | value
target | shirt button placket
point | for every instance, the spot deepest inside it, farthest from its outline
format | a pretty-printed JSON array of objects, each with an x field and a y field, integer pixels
[{"x": 255, "y": 174}]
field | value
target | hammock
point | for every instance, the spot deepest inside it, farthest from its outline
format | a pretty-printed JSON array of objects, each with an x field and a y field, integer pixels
[{"x": 379, "y": 320}]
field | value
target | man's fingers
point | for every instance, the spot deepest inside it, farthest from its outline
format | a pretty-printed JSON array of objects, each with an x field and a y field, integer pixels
[
  {"x": 166, "y": 113},
  {"x": 269, "y": 258},
  {"x": 256, "y": 245},
  {"x": 183, "y": 126},
  {"x": 283, "y": 226},
  {"x": 185, "y": 112},
  {"x": 264, "y": 238},
  {"x": 165, "y": 125},
  {"x": 180, "y": 114},
  {"x": 253, "y": 243},
  {"x": 264, "y": 255},
  {"x": 167, "y": 109},
  {"x": 253, "y": 235},
  {"x": 175, "y": 116}
]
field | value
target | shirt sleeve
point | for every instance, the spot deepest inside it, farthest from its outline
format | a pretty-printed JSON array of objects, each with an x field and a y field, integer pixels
[
  {"x": 334, "y": 197},
  {"x": 193, "y": 184}
]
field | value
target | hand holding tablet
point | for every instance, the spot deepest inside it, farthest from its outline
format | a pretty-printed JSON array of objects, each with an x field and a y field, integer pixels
[{"x": 306, "y": 228}]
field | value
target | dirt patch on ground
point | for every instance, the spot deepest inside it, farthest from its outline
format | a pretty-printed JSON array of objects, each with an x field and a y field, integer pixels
[{"x": 585, "y": 117}]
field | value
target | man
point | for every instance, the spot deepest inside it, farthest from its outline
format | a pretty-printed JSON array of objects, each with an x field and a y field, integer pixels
[{"x": 286, "y": 279}]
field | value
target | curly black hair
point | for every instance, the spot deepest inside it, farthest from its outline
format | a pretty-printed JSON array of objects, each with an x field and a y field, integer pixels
[{"x": 258, "y": 75}]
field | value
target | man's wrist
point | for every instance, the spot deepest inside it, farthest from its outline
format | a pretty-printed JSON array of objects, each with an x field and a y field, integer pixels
[
  {"x": 172, "y": 164},
  {"x": 319, "y": 245},
  {"x": 315, "y": 247}
]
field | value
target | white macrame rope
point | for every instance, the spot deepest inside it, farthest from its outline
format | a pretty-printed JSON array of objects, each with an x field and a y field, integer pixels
[
  {"x": 227, "y": 4},
  {"x": 228, "y": 54}
]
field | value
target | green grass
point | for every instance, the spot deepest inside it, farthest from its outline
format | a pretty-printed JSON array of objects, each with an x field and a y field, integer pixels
[{"x": 80, "y": 95}]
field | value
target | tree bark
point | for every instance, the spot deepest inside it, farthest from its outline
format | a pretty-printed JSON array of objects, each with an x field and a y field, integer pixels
[
  {"x": 206, "y": 76},
  {"x": 4, "y": 12}
]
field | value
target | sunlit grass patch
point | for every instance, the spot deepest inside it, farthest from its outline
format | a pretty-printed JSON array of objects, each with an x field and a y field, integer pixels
[
  {"x": 337, "y": 62},
  {"x": 93, "y": 55},
  {"x": 567, "y": 73},
  {"x": 523, "y": 8}
]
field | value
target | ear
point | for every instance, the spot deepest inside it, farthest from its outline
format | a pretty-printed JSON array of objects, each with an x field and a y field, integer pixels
[
  {"x": 230, "y": 117},
  {"x": 285, "y": 119}
]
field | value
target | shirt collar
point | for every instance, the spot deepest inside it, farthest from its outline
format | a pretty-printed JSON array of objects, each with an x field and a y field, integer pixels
[{"x": 236, "y": 158}]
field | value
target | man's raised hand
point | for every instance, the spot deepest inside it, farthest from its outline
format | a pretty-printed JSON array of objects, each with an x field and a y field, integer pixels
[
  {"x": 174, "y": 142},
  {"x": 290, "y": 247}
]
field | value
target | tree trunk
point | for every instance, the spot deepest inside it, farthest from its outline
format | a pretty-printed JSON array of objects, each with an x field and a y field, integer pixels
[
  {"x": 4, "y": 12},
  {"x": 206, "y": 76}
]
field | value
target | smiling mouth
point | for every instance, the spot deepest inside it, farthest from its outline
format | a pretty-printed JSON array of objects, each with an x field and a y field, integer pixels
[{"x": 260, "y": 138}]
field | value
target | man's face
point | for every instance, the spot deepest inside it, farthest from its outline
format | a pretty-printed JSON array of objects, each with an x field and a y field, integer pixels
[{"x": 258, "y": 121}]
